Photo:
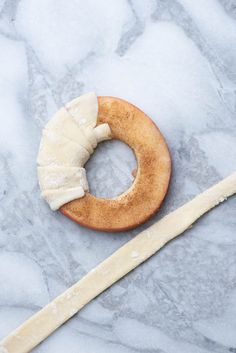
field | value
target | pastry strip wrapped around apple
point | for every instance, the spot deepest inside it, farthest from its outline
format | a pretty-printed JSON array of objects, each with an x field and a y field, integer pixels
[{"x": 68, "y": 140}]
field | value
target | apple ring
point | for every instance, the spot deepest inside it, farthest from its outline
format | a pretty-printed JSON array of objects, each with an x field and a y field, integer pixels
[{"x": 133, "y": 207}]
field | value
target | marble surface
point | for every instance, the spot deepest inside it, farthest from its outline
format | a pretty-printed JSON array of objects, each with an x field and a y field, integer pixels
[{"x": 176, "y": 60}]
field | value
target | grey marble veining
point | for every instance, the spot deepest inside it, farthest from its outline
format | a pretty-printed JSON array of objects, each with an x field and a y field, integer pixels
[{"x": 176, "y": 60}]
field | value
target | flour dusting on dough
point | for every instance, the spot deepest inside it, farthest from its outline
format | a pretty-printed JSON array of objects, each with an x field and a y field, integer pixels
[
  {"x": 55, "y": 180},
  {"x": 82, "y": 121},
  {"x": 73, "y": 311},
  {"x": 134, "y": 254},
  {"x": 149, "y": 235}
]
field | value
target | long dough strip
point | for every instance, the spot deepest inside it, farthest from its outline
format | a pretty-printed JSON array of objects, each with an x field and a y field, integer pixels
[{"x": 124, "y": 260}]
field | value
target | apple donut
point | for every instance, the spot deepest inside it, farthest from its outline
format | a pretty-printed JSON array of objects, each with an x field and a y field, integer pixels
[{"x": 144, "y": 197}]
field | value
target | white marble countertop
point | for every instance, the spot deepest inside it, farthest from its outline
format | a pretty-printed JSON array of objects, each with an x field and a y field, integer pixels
[{"x": 176, "y": 60}]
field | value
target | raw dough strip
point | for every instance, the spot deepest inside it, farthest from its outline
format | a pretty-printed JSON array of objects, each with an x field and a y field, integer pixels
[
  {"x": 64, "y": 125},
  {"x": 67, "y": 142},
  {"x": 56, "y": 150},
  {"x": 58, "y": 197},
  {"x": 102, "y": 132},
  {"x": 54, "y": 177},
  {"x": 124, "y": 260},
  {"x": 84, "y": 109}
]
